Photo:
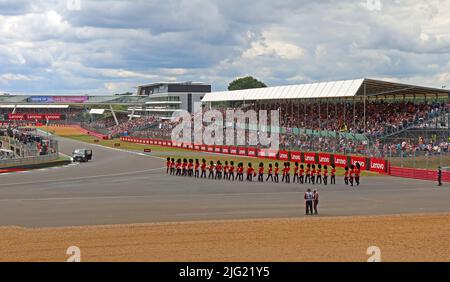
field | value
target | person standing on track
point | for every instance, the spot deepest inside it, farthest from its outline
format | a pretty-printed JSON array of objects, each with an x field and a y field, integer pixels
[
  {"x": 184, "y": 167},
  {"x": 261, "y": 173},
  {"x": 197, "y": 168},
  {"x": 277, "y": 173},
  {"x": 319, "y": 174},
  {"x": 325, "y": 175},
  {"x": 352, "y": 175},
  {"x": 439, "y": 176},
  {"x": 226, "y": 169},
  {"x": 301, "y": 177},
  {"x": 313, "y": 174},
  {"x": 309, "y": 197},
  {"x": 240, "y": 172},
  {"x": 203, "y": 169},
  {"x": 333, "y": 174},
  {"x": 308, "y": 173},
  {"x": 295, "y": 178},
  {"x": 211, "y": 170},
  {"x": 191, "y": 168},
  {"x": 219, "y": 168},
  {"x": 168, "y": 165},
  {"x": 346, "y": 175},
  {"x": 270, "y": 173},
  {"x": 250, "y": 172},
  {"x": 179, "y": 165},
  {"x": 231, "y": 171},
  {"x": 316, "y": 201},
  {"x": 357, "y": 173}
]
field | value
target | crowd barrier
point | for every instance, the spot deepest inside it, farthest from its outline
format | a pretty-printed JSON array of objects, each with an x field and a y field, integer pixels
[
  {"x": 420, "y": 174},
  {"x": 370, "y": 164}
]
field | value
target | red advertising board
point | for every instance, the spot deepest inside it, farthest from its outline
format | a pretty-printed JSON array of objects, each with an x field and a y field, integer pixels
[
  {"x": 340, "y": 161},
  {"x": 283, "y": 155},
  {"x": 35, "y": 117},
  {"x": 251, "y": 152},
  {"x": 360, "y": 160},
  {"x": 378, "y": 165},
  {"x": 203, "y": 148},
  {"x": 16, "y": 117},
  {"x": 325, "y": 159},
  {"x": 233, "y": 151},
  {"x": 211, "y": 149},
  {"x": 53, "y": 117},
  {"x": 310, "y": 158},
  {"x": 218, "y": 149},
  {"x": 262, "y": 153},
  {"x": 242, "y": 152},
  {"x": 296, "y": 156},
  {"x": 225, "y": 149},
  {"x": 272, "y": 154}
]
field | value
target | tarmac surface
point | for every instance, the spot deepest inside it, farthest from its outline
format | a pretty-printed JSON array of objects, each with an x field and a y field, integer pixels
[{"x": 120, "y": 187}]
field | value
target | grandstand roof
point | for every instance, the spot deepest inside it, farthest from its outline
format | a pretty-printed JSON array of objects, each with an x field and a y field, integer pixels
[{"x": 323, "y": 90}]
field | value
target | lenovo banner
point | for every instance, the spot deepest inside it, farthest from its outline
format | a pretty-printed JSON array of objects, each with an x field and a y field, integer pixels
[
  {"x": 325, "y": 159},
  {"x": 310, "y": 158},
  {"x": 283, "y": 155},
  {"x": 296, "y": 157},
  {"x": 233, "y": 151},
  {"x": 378, "y": 165},
  {"x": 262, "y": 153},
  {"x": 225, "y": 150},
  {"x": 360, "y": 160},
  {"x": 340, "y": 161}
]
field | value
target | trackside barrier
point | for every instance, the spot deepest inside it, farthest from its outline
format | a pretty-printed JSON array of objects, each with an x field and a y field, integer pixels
[
  {"x": 421, "y": 174},
  {"x": 376, "y": 165}
]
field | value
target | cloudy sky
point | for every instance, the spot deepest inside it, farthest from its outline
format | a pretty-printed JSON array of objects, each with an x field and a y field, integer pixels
[{"x": 110, "y": 46}]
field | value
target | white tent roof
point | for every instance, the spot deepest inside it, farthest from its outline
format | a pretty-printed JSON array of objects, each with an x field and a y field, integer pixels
[
  {"x": 324, "y": 90},
  {"x": 347, "y": 88}
]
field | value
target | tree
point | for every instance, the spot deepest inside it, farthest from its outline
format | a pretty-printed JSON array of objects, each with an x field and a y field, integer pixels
[{"x": 248, "y": 82}]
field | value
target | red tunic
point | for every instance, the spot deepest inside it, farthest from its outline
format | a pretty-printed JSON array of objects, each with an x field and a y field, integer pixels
[
  {"x": 302, "y": 172},
  {"x": 333, "y": 172},
  {"x": 231, "y": 169},
  {"x": 261, "y": 170}
]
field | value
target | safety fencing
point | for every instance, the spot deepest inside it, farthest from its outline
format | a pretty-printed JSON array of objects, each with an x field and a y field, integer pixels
[
  {"x": 369, "y": 164},
  {"x": 420, "y": 174}
]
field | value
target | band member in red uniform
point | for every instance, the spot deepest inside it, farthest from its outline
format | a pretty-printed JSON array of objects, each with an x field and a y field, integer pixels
[
  {"x": 196, "y": 169},
  {"x": 333, "y": 174},
  {"x": 316, "y": 201},
  {"x": 284, "y": 172},
  {"x": 184, "y": 167},
  {"x": 190, "y": 168},
  {"x": 301, "y": 174},
  {"x": 211, "y": 170},
  {"x": 288, "y": 172},
  {"x": 240, "y": 172},
  {"x": 308, "y": 173},
  {"x": 178, "y": 166},
  {"x": 226, "y": 169},
  {"x": 231, "y": 171},
  {"x": 346, "y": 175},
  {"x": 357, "y": 173},
  {"x": 295, "y": 179},
  {"x": 261, "y": 173},
  {"x": 270, "y": 173},
  {"x": 325, "y": 175},
  {"x": 277, "y": 173},
  {"x": 219, "y": 168},
  {"x": 352, "y": 175},
  {"x": 319, "y": 174},
  {"x": 313, "y": 174},
  {"x": 168, "y": 165},
  {"x": 203, "y": 169},
  {"x": 250, "y": 172},
  {"x": 172, "y": 167}
]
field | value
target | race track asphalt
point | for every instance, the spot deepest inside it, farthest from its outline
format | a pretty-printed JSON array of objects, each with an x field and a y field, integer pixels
[{"x": 120, "y": 187}]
